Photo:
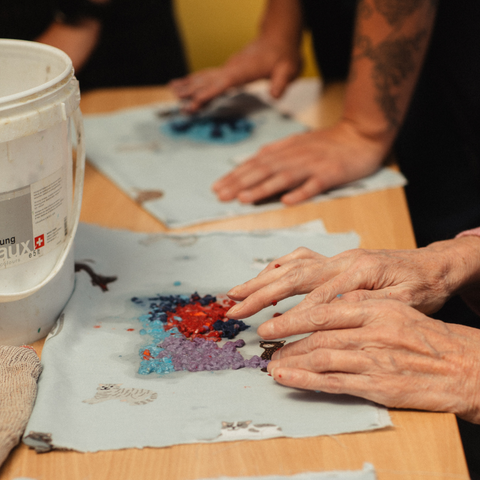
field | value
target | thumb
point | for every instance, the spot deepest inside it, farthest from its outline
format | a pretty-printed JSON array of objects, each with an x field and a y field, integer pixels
[{"x": 282, "y": 74}]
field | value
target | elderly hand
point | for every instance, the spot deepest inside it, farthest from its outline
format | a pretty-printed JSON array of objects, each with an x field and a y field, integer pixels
[
  {"x": 305, "y": 164},
  {"x": 261, "y": 59},
  {"x": 381, "y": 350},
  {"x": 424, "y": 278}
]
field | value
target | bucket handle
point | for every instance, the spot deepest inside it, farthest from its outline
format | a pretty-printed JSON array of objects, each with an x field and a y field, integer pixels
[{"x": 77, "y": 203}]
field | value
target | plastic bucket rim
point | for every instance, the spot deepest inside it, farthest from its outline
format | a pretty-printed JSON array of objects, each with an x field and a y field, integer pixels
[{"x": 23, "y": 95}]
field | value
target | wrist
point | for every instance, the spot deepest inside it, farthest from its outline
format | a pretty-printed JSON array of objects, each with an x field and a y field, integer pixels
[
  {"x": 459, "y": 259},
  {"x": 474, "y": 413},
  {"x": 377, "y": 145},
  {"x": 370, "y": 128},
  {"x": 468, "y": 376}
]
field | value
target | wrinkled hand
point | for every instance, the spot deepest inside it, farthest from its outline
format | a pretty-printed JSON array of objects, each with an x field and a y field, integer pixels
[
  {"x": 424, "y": 278},
  {"x": 305, "y": 164},
  {"x": 381, "y": 350},
  {"x": 261, "y": 59}
]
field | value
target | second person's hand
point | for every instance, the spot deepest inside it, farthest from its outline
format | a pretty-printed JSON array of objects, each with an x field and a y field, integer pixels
[
  {"x": 305, "y": 165},
  {"x": 280, "y": 63}
]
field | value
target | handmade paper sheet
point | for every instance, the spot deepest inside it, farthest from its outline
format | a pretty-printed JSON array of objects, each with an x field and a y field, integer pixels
[
  {"x": 91, "y": 396},
  {"x": 172, "y": 176},
  {"x": 367, "y": 473}
]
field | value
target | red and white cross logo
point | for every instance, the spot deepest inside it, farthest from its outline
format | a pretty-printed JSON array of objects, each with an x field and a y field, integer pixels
[{"x": 39, "y": 241}]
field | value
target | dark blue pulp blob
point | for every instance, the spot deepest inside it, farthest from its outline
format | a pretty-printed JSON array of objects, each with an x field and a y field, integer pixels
[
  {"x": 170, "y": 351},
  {"x": 221, "y": 129},
  {"x": 230, "y": 328},
  {"x": 162, "y": 304}
]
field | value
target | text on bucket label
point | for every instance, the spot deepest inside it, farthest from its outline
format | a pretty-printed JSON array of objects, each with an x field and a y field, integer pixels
[{"x": 33, "y": 219}]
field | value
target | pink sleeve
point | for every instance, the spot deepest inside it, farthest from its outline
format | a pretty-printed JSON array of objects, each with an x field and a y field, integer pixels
[{"x": 474, "y": 231}]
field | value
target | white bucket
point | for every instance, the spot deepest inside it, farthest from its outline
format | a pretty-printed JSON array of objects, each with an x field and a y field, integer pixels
[{"x": 39, "y": 102}]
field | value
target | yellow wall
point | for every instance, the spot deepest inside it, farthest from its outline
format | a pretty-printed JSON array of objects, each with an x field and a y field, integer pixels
[{"x": 214, "y": 29}]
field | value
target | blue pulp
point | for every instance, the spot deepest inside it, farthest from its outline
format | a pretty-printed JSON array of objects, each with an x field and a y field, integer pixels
[
  {"x": 153, "y": 325},
  {"x": 211, "y": 130}
]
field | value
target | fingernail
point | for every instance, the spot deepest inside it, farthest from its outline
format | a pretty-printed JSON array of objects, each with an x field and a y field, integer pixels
[
  {"x": 224, "y": 194},
  {"x": 245, "y": 197},
  {"x": 232, "y": 292},
  {"x": 272, "y": 371},
  {"x": 277, "y": 355},
  {"x": 266, "y": 330},
  {"x": 234, "y": 310}
]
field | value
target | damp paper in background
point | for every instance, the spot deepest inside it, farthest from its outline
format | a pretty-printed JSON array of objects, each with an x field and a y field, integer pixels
[
  {"x": 97, "y": 342},
  {"x": 367, "y": 473},
  {"x": 172, "y": 176}
]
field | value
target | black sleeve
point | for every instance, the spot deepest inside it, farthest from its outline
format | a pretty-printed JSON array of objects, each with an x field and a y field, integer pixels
[{"x": 26, "y": 19}]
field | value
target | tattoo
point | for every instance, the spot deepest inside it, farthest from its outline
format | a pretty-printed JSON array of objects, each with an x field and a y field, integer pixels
[
  {"x": 393, "y": 62},
  {"x": 364, "y": 10},
  {"x": 396, "y": 11}
]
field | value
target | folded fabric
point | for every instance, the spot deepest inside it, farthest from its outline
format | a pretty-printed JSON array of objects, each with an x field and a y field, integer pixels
[{"x": 19, "y": 370}]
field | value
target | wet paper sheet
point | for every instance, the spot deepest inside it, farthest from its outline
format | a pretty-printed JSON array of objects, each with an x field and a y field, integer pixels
[
  {"x": 172, "y": 177},
  {"x": 367, "y": 473},
  {"x": 91, "y": 396}
]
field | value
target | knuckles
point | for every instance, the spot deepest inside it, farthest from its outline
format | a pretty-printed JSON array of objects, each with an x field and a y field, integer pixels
[
  {"x": 286, "y": 177},
  {"x": 304, "y": 252}
]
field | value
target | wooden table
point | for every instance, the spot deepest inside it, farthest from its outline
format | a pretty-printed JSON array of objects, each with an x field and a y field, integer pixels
[{"x": 421, "y": 445}]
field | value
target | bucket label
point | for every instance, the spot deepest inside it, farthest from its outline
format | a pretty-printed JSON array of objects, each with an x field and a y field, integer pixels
[{"x": 34, "y": 220}]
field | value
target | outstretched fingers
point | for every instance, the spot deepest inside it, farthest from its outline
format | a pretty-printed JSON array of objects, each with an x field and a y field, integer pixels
[
  {"x": 277, "y": 282},
  {"x": 199, "y": 88},
  {"x": 258, "y": 294},
  {"x": 308, "y": 318},
  {"x": 281, "y": 76},
  {"x": 245, "y": 176},
  {"x": 326, "y": 360},
  {"x": 300, "y": 253},
  {"x": 338, "y": 383}
]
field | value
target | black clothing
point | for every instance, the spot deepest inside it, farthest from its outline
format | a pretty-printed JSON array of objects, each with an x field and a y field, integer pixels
[
  {"x": 331, "y": 23},
  {"x": 139, "y": 45},
  {"x": 139, "y": 41},
  {"x": 438, "y": 150},
  {"x": 438, "y": 146}
]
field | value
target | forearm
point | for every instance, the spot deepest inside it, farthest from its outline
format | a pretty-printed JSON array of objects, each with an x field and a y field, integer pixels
[
  {"x": 459, "y": 259},
  {"x": 282, "y": 22},
  {"x": 471, "y": 291},
  {"x": 77, "y": 41},
  {"x": 390, "y": 42},
  {"x": 281, "y": 28}
]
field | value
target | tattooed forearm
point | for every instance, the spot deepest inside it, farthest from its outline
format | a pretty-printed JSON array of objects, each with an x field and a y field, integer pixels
[
  {"x": 393, "y": 62},
  {"x": 396, "y": 11},
  {"x": 364, "y": 10}
]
